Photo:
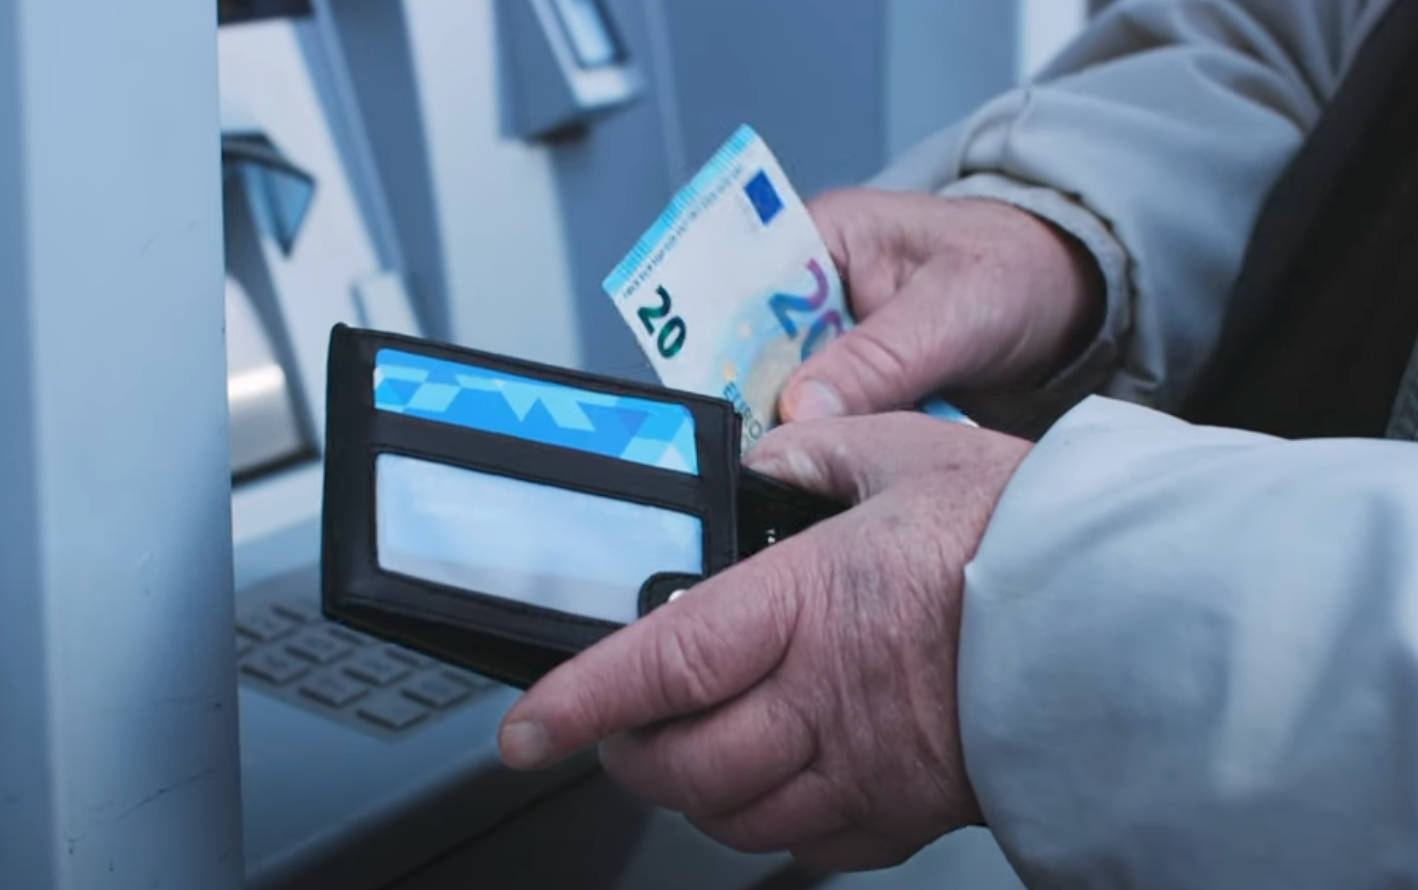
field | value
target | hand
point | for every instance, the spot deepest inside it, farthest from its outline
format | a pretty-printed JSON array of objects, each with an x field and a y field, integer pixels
[
  {"x": 804, "y": 699},
  {"x": 961, "y": 293}
]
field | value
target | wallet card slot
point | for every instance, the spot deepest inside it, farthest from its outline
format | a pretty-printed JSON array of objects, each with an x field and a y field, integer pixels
[
  {"x": 630, "y": 428},
  {"x": 538, "y": 462},
  {"x": 532, "y": 543}
]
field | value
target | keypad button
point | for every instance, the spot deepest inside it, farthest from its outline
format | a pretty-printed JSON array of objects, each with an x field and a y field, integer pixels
[
  {"x": 275, "y": 666},
  {"x": 330, "y": 688},
  {"x": 392, "y": 712},
  {"x": 353, "y": 637},
  {"x": 264, "y": 625},
  {"x": 373, "y": 667},
  {"x": 408, "y": 656},
  {"x": 244, "y": 644},
  {"x": 319, "y": 647},
  {"x": 468, "y": 678},
  {"x": 301, "y": 613},
  {"x": 436, "y": 691}
]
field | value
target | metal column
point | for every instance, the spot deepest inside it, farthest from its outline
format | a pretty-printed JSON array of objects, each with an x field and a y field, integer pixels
[{"x": 118, "y": 764}]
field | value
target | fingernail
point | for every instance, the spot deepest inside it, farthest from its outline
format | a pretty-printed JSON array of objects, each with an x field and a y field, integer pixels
[
  {"x": 525, "y": 745},
  {"x": 812, "y": 400}
]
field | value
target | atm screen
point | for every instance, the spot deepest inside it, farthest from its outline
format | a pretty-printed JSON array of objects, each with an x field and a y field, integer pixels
[{"x": 589, "y": 31}]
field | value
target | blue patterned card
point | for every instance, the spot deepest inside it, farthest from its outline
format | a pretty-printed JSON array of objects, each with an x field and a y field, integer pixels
[{"x": 656, "y": 434}]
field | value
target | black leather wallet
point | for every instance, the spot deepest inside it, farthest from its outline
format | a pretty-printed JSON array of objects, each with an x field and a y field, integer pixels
[{"x": 504, "y": 515}]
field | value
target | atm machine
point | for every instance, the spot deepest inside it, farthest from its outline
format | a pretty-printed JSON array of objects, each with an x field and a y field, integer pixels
[{"x": 461, "y": 169}]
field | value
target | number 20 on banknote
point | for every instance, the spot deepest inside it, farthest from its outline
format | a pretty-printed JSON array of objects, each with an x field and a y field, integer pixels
[
  {"x": 824, "y": 326},
  {"x": 732, "y": 288},
  {"x": 669, "y": 331}
]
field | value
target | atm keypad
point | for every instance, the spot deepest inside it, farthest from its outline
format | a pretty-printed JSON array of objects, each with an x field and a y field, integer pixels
[
  {"x": 392, "y": 711},
  {"x": 333, "y": 689},
  {"x": 286, "y": 649}
]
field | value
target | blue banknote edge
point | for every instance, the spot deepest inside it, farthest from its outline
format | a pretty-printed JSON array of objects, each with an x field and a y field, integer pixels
[
  {"x": 940, "y": 409},
  {"x": 683, "y": 200}
]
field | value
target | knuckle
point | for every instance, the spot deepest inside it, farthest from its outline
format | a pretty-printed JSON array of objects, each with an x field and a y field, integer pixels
[
  {"x": 684, "y": 668},
  {"x": 785, "y": 453},
  {"x": 587, "y": 709},
  {"x": 882, "y": 361}
]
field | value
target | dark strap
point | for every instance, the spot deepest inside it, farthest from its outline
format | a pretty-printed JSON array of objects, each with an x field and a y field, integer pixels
[{"x": 1330, "y": 280}]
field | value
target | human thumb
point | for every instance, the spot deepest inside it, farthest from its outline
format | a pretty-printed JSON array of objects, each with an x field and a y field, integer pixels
[{"x": 890, "y": 360}]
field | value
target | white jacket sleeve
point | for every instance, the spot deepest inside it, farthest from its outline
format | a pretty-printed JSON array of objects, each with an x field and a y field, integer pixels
[
  {"x": 1189, "y": 659},
  {"x": 1154, "y": 139}
]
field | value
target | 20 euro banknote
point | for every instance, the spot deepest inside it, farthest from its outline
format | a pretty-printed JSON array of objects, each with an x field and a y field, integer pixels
[{"x": 732, "y": 288}]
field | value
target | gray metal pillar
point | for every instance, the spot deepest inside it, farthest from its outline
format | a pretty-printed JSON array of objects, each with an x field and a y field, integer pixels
[{"x": 118, "y": 764}]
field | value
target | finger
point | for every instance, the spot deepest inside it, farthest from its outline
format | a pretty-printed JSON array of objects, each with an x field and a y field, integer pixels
[
  {"x": 684, "y": 657},
  {"x": 853, "y": 458},
  {"x": 912, "y": 345},
  {"x": 718, "y": 761},
  {"x": 797, "y": 812},
  {"x": 852, "y": 850}
]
